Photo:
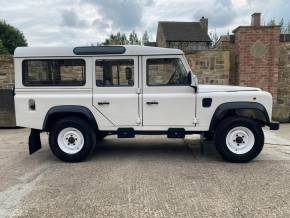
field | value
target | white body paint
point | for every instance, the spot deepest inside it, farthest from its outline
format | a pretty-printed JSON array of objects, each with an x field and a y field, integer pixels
[{"x": 179, "y": 106}]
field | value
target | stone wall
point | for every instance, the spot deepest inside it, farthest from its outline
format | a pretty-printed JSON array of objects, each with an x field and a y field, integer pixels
[
  {"x": 281, "y": 110},
  {"x": 188, "y": 46},
  {"x": 7, "y": 114},
  {"x": 226, "y": 43},
  {"x": 6, "y": 72},
  {"x": 211, "y": 66}
]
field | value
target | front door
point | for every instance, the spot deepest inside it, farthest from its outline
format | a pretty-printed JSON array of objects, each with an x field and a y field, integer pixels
[
  {"x": 115, "y": 92},
  {"x": 168, "y": 100}
]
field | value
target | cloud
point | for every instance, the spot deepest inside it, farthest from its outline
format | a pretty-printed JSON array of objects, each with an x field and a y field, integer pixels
[
  {"x": 220, "y": 13},
  {"x": 101, "y": 24},
  {"x": 69, "y": 18},
  {"x": 125, "y": 15},
  {"x": 83, "y": 22}
]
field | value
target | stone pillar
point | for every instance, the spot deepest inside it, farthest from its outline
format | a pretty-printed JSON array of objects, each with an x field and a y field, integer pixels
[{"x": 257, "y": 56}]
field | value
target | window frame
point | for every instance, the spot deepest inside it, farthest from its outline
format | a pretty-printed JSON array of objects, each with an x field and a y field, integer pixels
[
  {"x": 117, "y": 59},
  {"x": 80, "y": 83},
  {"x": 163, "y": 85}
]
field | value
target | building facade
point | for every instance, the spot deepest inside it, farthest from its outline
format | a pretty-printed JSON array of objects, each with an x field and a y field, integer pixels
[{"x": 187, "y": 36}]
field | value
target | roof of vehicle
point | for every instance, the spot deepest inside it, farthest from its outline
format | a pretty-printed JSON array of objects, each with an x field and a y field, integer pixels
[{"x": 93, "y": 51}]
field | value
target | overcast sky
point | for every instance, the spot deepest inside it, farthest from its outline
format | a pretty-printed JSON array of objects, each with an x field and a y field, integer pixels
[{"x": 85, "y": 22}]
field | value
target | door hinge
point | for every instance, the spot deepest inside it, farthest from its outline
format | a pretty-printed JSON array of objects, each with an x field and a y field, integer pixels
[
  {"x": 138, "y": 90},
  {"x": 138, "y": 120},
  {"x": 195, "y": 120}
]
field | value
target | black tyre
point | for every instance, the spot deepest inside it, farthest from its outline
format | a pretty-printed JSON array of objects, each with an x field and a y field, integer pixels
[
  {"x": 239, "y": 139},
  {"x": 72, "y": 139}
]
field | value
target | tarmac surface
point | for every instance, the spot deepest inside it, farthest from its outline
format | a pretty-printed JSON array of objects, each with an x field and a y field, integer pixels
[{"x": 144, "y": 177}]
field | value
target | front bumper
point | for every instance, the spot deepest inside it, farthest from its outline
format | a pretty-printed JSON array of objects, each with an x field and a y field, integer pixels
[{"x": 274, "y": 125}]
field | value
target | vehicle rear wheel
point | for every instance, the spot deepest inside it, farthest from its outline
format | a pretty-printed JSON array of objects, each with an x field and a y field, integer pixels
[
  {"x": 239, "y": 139},
  {"x": 72, "y": 139}
]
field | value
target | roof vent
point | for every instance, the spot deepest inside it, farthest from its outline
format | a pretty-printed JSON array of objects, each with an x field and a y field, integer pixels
[{"x": 96, "y": 50}]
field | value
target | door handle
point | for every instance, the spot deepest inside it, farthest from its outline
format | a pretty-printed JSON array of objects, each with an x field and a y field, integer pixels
[
  {"x": 103, "y": 103},
  {"x": 151, "y": 102}
]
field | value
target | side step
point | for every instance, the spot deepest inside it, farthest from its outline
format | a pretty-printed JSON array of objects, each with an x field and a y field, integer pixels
[
  {"x": 171, "y": 133},
  {"x": 176, "y": 133},
  {"x": 126, "y": 133}
]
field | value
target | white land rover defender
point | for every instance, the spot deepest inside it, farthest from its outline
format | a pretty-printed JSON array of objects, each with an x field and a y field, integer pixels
[{"x": 80, "y": 95}]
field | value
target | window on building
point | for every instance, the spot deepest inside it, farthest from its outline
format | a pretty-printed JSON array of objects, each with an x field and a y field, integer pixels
[
  {"x": 166, "y": 72},
  {"x": 60, "y": 72},
  {"x": 114, "y": 73}
]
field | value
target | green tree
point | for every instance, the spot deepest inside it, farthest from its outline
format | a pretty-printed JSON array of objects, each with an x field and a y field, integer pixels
[
  {"x": 214, "y": 37},
  {"x": 133, "y": 39},
  {"x": 116, "y": 39},
  {"x": 145, "y": 38},
  {"x": 288, "y": 28},
  {"x": 272, "y": 22},
  {"x": 11, "y": 37},
  {"x": 3, "y": 49},
  {"x": 285, "y": 27}
]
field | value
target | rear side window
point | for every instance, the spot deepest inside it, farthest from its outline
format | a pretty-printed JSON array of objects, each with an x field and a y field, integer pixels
[
  {"x": 115, "y": 73},
  {"x": 60, "y": 72}
]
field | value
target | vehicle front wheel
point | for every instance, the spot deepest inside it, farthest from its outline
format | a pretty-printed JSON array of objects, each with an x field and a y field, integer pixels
[
  {"x": 72, "y": 139},
  {"x": 239, "y": 139}
]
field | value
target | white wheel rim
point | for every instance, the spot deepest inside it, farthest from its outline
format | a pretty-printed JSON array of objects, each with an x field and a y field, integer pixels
[
  {"x": 70, "y": 140},
  {"x": 240, "y": 140}
]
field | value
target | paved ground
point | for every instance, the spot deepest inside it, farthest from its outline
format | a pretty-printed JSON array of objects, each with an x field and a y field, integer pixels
[{"x": 144, "y": 177}]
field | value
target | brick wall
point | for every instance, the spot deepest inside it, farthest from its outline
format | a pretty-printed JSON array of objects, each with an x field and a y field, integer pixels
[
  {"x": 257, "y": 52},
  {"x": 211, "y": 66}
]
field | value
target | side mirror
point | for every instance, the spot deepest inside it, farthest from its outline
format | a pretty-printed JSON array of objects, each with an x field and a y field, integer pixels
[{"x": 191, "y": 81}]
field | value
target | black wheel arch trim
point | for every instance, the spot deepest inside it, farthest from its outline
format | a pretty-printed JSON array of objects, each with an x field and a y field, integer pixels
[
  {"x": 238, "y": 105},
  {"x": 70, "y": 109}
]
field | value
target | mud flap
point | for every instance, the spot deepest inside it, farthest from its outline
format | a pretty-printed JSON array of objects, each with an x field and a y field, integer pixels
[{"x": 34, "y": 143}]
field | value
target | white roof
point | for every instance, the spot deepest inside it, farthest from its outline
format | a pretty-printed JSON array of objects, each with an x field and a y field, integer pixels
[{"x": 68, "y": 51}]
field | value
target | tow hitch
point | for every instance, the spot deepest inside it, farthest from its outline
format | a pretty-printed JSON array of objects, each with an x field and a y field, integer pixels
[{"x": 34, "y": 143}]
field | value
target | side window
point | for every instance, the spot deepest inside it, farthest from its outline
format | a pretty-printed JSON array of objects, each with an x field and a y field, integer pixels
[
  {"x": 114, "y": 73},
  {"x": 166, "y": 72},
  {"x": 60, "y": 72}
]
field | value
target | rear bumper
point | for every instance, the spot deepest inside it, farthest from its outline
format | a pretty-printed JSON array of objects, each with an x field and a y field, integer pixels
[{"x": 274, "y": 125}]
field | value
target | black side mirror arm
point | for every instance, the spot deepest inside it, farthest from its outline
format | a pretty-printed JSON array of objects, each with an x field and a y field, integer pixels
[{"x": 194, "y": 88}]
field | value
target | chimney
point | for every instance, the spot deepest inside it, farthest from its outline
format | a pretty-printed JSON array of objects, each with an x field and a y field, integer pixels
[
  {"x": 256, "y": 20},
  {"x": 204, "y": 24}
]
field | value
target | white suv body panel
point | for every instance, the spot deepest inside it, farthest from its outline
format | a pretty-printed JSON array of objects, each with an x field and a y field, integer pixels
[
  {"x": 123, "y": 107},
  {"x": 176, "y": 104},
  {"x": 205, "y": 115},
  {"x": 179, "y": 106}
]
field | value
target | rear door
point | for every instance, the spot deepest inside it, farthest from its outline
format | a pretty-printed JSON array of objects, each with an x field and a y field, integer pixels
[
  {"x": 115, "y": 92},
  {"x": 168, "y": 100}
]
